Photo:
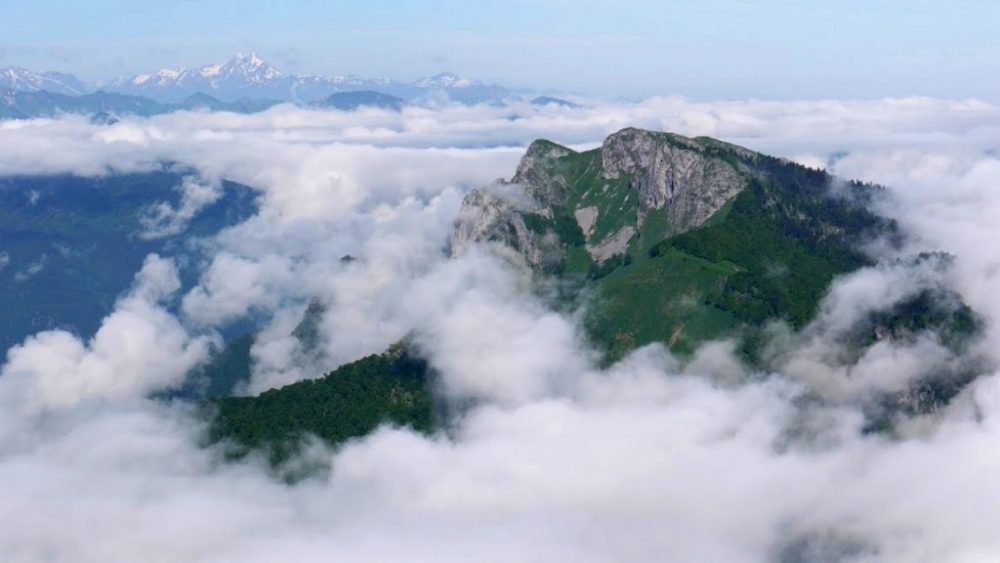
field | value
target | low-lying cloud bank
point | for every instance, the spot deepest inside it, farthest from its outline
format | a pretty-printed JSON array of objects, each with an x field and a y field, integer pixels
[{"x": 560, "y": 459}]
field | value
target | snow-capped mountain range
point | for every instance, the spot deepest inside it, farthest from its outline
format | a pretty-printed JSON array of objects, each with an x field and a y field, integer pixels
[
  {"x": 246, "y": 75},
  {"x": 17, "y": 78}
]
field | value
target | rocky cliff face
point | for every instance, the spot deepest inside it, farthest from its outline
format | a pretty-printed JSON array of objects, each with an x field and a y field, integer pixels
[
  {"x": 537, "y": 174},
  {"x": 606, "y": 196},
  {"x": 670, "y": 173},
  {"x": 490, "y": 215}
]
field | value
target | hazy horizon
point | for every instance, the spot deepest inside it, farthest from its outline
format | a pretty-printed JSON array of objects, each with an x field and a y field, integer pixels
[{"x": 722, "y": 50}]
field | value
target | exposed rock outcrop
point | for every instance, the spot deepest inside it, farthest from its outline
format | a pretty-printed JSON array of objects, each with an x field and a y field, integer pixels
[
  {"x": 536, "y": 173},
  {"x": 491, "y": 215},
  {"x": 613, "y": 245},
  {"x": 665, "y": 173},
  {"x": 672, "y": 173}
]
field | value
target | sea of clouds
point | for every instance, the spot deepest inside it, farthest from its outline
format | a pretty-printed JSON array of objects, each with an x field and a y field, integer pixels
[{"x": 562, "y": 459}]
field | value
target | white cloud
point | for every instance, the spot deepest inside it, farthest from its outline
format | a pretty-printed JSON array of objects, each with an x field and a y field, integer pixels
[
  {"x": 139, "y": 348},
  {"x": 163, "y": 219},
  {"x": 644, "y": 460}
]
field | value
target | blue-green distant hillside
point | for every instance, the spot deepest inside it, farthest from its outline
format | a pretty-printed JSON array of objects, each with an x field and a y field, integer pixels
[{"x": 69, "y": 245}]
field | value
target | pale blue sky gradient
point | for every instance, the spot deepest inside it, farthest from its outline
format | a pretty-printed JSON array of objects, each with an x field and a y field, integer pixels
[{"x": 705, "y": 50}]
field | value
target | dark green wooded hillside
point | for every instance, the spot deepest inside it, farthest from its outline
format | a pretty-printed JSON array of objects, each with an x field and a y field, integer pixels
[
  {"x": 785, "y": 253},
  {"x": 351, "y": 401}
]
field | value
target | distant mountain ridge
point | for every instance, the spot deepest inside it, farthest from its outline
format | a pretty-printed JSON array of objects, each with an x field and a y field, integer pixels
[
  {"x": 106, "y": 107},
  {"x": 362, "y": 98},
  {"x": 22, "y": 79},
  {"x": 246, "y": 75},
  {"x": 18, "y": 104}
]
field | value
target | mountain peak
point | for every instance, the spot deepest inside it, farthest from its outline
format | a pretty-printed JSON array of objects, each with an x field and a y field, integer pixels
[
  {"x": 677, "y": 237},
  {"x": 642, "y": 139},
  {"x": 248, "y": 57},
  {"x": 246, "y": 64},
  {"x": 445, "y": 80},
  {"x": 636, "y": 174},
  {"x": 247, "y": 60}
]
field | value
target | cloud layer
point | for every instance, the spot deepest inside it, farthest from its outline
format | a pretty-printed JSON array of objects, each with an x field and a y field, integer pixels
[{"x": 559, "y": 459}]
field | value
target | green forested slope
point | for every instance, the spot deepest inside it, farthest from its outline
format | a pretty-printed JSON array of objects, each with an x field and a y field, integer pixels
[{"x": 351, "y": 401}]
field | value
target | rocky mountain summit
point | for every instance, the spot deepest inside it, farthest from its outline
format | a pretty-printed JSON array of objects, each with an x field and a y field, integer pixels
[
  {"x": 638, "y": 185},
  {"x": 682, "y": 239},
  {"x": 674, "y": 176}
]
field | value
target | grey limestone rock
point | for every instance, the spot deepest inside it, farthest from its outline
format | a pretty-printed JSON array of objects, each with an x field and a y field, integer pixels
[{"x": 671, "y": 173}]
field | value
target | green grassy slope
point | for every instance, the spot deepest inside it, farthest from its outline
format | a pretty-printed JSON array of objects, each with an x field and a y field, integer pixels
[{"x": 660, "y": 300}]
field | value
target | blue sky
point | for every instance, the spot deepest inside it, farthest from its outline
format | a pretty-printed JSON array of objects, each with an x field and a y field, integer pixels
[{"x": 705, "y": 50}]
